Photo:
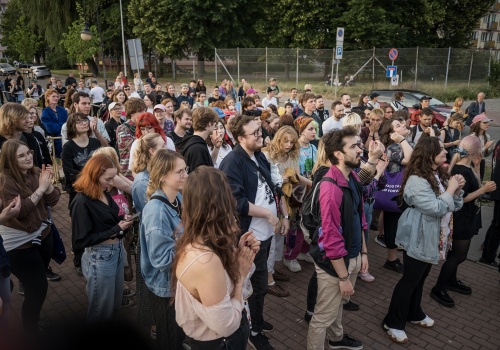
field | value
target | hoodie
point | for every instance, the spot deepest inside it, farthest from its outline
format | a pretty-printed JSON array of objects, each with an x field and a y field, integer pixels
[{"x": 195, "y": 151}]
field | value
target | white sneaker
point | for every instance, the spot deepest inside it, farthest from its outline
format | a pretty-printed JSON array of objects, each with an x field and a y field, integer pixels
[
  {"x": 427, "y": 322},
  {"x": 305, "y": 257},
  {"x": 367, "y": 277},
  {"x": 292, "y": 265},
  {"x": 396, "y": 335}
]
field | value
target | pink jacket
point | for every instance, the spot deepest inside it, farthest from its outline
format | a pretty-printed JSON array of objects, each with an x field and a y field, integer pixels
[{"x": 330, "y": 199}]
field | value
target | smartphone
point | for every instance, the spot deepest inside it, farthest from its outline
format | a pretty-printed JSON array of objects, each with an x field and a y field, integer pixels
[{"x": 133, "y": 217}]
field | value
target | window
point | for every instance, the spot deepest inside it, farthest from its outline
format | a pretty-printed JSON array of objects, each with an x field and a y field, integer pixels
[
  {"x": 484, "y": 36},
  {"x": 498, "y": 37},
  {"x": 474, "y": 35},
  {"x": 490, "y": 37}
]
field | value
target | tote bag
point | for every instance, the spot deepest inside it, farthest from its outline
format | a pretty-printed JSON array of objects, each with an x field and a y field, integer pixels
[{"x": 386, "y": 199}]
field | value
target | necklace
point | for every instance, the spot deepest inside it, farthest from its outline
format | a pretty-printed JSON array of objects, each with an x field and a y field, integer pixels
[{"x": 175, "y": 204}]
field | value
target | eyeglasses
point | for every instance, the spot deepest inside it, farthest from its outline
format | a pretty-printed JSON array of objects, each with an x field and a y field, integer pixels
[
  {"x": 183, "y": 173},
  {"x": 116, "y": 109},
  {"x": 28, "y": 154},
  {"x": 256, "y": 133},
  {"x": 82, "y": 122}
]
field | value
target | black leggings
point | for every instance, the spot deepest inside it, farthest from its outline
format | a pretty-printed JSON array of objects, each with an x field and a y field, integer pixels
[
  {"x": 390, "y": 227},
  {"x": 456, "y": 256}
]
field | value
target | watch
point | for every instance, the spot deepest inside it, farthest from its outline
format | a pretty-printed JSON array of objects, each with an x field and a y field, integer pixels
[{"x": 286, "y": 217}]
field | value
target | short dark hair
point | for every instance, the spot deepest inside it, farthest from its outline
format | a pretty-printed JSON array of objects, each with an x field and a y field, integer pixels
[
  {"x": 318, "y": 96},
  {"x": 202, "y": 116},
  {"x": 73, "y": 118},
  {"x": 237, "y": 124},
  {"x": 289, "y": 104},
  {"x": 75, "y": 98},
  {"x": 335, "y": 104},
  {"x": 293, "y": 89},
  {"x": 247, "y": 101},
  {"x": 334, "y": 141},
  {"x": 427, "y": 111},
  {"x": 398, "y": 95},
  {"x": 180, "y": 112}
]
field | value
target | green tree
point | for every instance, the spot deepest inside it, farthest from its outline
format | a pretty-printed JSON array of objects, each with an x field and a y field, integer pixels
[
  {"x": 77, "y": 49},
  {"x": 24, "y": 41}
]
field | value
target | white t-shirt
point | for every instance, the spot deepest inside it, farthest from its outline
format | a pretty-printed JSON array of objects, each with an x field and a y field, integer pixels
[
  {"x": 97, "y": 94},
  {"x": 168, "y": 145},
  {"x": 223, "y": 151},
  {"x": 332, "y": 124},
  {"x": 264, "y": 198},
  {"x": 266, "y": 102}
]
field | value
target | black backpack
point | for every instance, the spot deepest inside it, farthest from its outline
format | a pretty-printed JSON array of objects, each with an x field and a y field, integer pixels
[{"x": 311, "y": 216}]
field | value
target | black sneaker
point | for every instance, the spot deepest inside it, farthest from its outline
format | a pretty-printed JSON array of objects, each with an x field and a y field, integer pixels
[
  {"x": 442, "y": 297},
  {"x": 487, "y": 262},
  {"x": 374, "y": 227},
  {"x": 346, "y": 343},
  {"x": 350, "y": 306},
  {"x": 259, "y": 342},
  {"x": 380, "y": 240},
  {"x": 395, "y": 265},
  {"x": 307, "y": 317},
  {"x": 267, "y": 327},
  {"x": 51, "y": 276},
  {"x": 78, "y": 270},
  {"x": 459, "y": 287}
]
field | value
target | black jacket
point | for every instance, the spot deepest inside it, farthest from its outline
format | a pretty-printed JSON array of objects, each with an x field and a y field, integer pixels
[
  {"x": 195, "y": 151},
  {"x": 243, "y": 179}
]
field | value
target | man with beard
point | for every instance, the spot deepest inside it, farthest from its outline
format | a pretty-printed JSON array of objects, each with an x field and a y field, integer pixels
[
  {"x": 346, "y": 102},
  {"x": 81, "y": 103},
  {"x": 424, "y": 126},
  {"x": 338, "y": 246},
  {"x": 335, "y": 121},
  {"x": 320, "y": 113},
  {"x": 183, "y": 123},
  {"x": 249, "y": 175}
]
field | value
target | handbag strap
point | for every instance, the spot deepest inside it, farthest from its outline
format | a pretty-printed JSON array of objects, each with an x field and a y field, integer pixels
[{"x": 269, "y": 183}]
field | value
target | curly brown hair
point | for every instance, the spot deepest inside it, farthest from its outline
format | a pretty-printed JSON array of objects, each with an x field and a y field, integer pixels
[
  {"x": 209, "y": 217},
  {"x": 422, "y": 164}
]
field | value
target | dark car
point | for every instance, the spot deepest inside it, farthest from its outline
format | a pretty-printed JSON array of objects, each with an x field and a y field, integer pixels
[
  {"x": 411, "y": 100},
  {"x": 23, "y": 64}
]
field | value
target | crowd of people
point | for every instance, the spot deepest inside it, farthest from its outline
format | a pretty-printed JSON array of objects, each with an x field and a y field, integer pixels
[{"x": 209, "y": 193}]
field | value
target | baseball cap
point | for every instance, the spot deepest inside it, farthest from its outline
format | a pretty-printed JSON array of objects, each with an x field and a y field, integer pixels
[
  {"x": 373, "y": 95},
  {"x": 219, "y": 111},
  {"x": 251, "y": 91},
  {"x": 425, "y": 98},
  {"x": 160, "y": 106},
  {"x": 113, "y": 104},
  {"x": 480, "y": 118}
]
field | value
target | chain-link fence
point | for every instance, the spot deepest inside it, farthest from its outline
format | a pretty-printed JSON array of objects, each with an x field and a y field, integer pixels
[{"x": 414, "y": 66}]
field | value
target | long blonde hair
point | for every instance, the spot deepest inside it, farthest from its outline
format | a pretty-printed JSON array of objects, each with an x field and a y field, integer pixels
[
  {"x": 321, "y": 157},
  {"x": 274, "y": 148},
  {"x": 142, "y": 156}
]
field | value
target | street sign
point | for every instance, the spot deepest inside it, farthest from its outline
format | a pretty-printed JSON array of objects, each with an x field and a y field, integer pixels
[
  {"x": 393, "y": 54},
  {"x": 395, "y": 80},
  {"x": 391, "y": 71},
  {"x": 340, "y": 34},
  {"x": 135, "y": 54},
  {"x": 338, "y": 52}
]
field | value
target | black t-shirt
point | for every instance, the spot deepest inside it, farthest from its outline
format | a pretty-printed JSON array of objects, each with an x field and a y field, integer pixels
[
  {"x": 213, "y": 99},
  {"x": 357, "y": 228},
  {"x": 467, "y": 221},
  {"x": 62, "y": 90}
]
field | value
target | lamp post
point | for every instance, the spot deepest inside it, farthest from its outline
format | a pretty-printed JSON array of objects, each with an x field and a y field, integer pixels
[{"x": 86, "y": 35}]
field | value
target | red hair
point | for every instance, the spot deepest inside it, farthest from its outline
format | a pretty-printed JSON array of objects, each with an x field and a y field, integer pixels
[
  {"x": 88, "y": 180},
  {"x": 148, "y": 119}
]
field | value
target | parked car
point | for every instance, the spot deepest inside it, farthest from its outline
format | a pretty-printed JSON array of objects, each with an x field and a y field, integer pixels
[
  {"x": 23, "y": 64},
  {"x": 40, "y": 72},
  {"x": 411, "y": 100},
  {"x": 6, "y": 68}
]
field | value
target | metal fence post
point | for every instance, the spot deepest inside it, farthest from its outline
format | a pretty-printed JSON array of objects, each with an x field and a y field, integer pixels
[
  {"x": 489, "y": 68},
  {"x": 416, "y": 69},
  {"x": 470, "y": 70},
  {"x": 238, "y": 59},
  {"x": 333, "y": 63},
  {"x": 373, "y": 68},
  {"x": 215, "y": 61},
  {"x": 297, "y": 73},
  {"x": 447, "y": 68},
  {"x": 266, "y": 64}
]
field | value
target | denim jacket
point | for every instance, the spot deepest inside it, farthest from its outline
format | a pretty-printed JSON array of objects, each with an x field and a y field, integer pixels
[
  {"x": 419, "y": 226},
  {"x": 160, "y": 227},
  {"x": 139, "y": 188}
]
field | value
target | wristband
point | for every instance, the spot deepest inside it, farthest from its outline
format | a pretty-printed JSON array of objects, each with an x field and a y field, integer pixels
[
  {"x": 343, "y": 279},
  {"x": 402, "y": 140},
  {"x": 368, "y": 162},
  {"x": 364, "y": 253}
]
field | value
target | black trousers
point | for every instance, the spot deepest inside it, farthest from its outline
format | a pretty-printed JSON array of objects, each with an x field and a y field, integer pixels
[
  {"x": 390, "y": 227},
  {"x": 407, "y": 296},
  {"x": 29, "y": 265},
  {"x": 168, "y": 333},
  {"x": 492, "y": 239},
  {"x": 259, "y": 285}
]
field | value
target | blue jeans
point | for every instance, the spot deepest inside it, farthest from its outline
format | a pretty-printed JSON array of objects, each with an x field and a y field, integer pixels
[
  {"x": 368, "y": 218},
  {"x": 102, "y": 266}
]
